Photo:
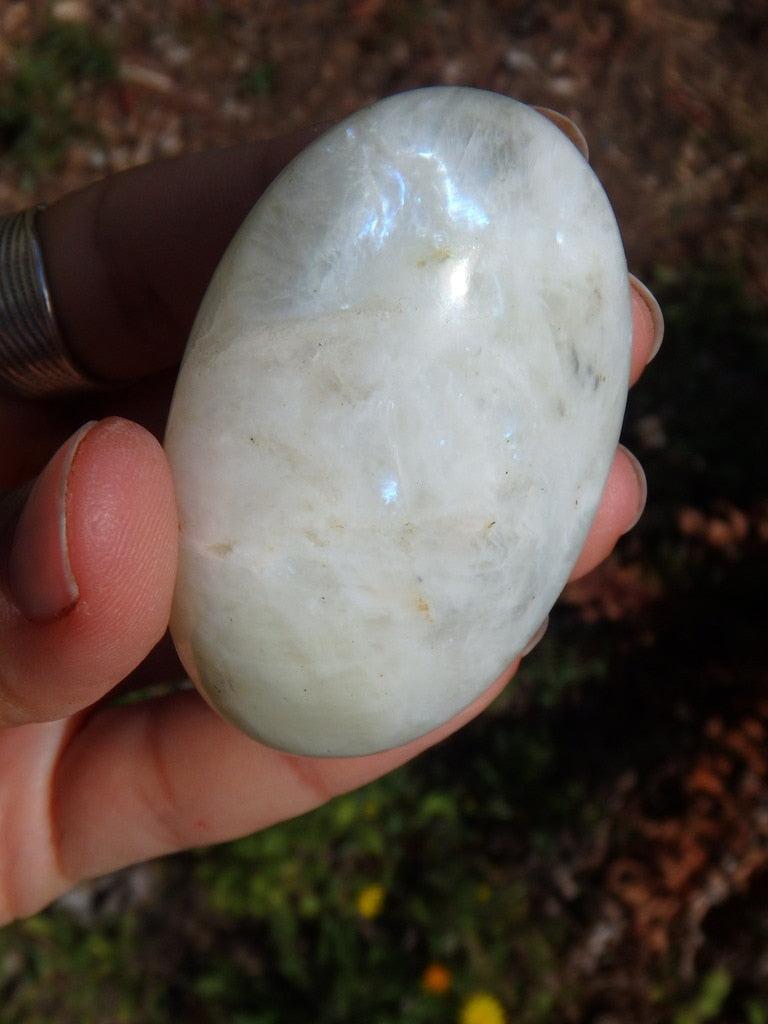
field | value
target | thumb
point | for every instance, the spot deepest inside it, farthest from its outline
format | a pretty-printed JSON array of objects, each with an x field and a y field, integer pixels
[{"x": 90, "y": 562}]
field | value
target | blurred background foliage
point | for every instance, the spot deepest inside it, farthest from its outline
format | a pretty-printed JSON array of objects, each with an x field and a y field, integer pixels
[
  {"x": 595, "y": 847},
  {"x": 38, "y": 96}
]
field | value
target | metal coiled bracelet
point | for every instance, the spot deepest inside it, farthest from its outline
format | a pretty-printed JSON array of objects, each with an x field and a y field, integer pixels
[{"x": 34, "y": 361}]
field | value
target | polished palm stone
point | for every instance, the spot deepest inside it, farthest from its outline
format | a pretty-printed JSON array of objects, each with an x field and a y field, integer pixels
[{"x": 394, "y": 420}]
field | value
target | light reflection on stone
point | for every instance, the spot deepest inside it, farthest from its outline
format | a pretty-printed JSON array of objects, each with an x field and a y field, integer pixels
[
  {"x": 381, "y": 220},
  {"x": 389, "y": 491},
  {"x": 458, "y": 285},
  {"x": 458, "y": 206}
]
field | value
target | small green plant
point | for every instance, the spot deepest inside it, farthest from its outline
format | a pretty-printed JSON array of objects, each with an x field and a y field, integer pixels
[
  {"x": 37, "y": 101},
  {"x": 709, "y": 1000}
]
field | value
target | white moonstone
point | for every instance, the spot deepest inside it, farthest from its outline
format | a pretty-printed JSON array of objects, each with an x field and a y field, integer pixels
[{"x": 394, "y": 420}]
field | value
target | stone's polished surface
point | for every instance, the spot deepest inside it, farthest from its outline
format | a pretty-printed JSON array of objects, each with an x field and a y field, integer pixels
[{"x": 394, "y": 421}]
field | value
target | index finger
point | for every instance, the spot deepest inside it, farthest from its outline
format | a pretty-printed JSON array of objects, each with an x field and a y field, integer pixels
[{"x": 129, "y": 257}]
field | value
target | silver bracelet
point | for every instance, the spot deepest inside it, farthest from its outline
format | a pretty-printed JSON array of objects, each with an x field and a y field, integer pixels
[{"x": 34, "y": 361}]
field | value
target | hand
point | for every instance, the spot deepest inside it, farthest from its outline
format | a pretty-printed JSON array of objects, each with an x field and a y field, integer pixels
[{"x": 86, "y": 788}]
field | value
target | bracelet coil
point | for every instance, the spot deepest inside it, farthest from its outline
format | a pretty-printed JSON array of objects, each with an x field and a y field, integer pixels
[{"x": 34, "y": 362}]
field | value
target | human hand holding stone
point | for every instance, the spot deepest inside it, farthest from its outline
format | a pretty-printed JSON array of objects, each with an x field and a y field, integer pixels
[{"x": 89, "y": 554}]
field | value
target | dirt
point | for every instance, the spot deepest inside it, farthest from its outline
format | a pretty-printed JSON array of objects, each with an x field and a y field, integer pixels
[{"x": 670, "y": 96}]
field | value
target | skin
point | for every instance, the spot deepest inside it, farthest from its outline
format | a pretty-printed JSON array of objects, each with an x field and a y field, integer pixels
[{"x": 85, "y": 787}]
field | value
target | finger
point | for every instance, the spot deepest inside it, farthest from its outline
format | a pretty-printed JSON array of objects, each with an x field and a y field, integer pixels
[
  {"x": 647, "y": 328},
  {"x": 173, "y": 774},
  {"x": 147, "y": 243},
  {"x": 648, "y": 321},
  {"x": 90, "y": 566},
  {"x": 621, "y": 505},
  {"x": 567, "y": 127}
]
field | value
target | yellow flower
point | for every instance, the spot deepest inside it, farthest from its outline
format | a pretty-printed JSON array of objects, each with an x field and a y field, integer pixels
[
  {"x": 482, "y": 1008},
  {"x": 436, "y": 979},
  {"x": 369, "y": 901}
]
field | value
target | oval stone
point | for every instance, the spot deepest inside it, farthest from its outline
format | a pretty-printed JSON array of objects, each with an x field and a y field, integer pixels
[{"x": 394, "y": 421}]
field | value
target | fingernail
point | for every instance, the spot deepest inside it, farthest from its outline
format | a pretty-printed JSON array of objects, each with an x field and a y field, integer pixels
[
  {"x": 641, "y": 482},
  {"x": 537, "y": 637},
  {"x": 40, "y": 572},
  {"x": 654, "y": 311},
  {"x": 567, "y": 127}
]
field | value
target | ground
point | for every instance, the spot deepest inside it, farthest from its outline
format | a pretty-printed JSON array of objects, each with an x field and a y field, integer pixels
[{"x": 595, "y": 847}]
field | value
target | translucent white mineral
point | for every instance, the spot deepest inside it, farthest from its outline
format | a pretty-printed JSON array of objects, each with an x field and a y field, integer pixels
[{"x": 394, "y": 421}]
